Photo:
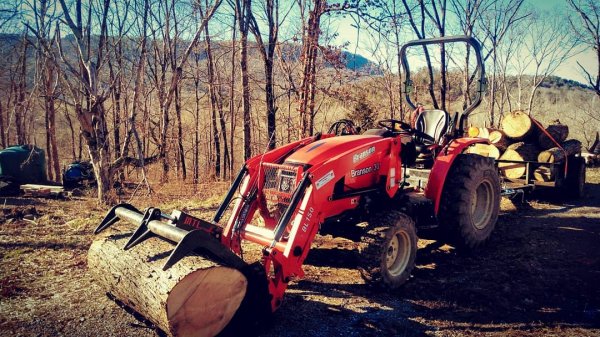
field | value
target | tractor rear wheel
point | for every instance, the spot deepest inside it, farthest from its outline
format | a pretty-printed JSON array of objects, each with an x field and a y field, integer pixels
[
  {"x": 470, "y": 201},
  {"x": 388, "y": 249}
]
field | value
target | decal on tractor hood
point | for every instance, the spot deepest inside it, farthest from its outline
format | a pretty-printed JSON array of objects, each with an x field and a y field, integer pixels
[
  {"x": 364, "y": 154},
  {"x": 325, "y": 179},
  {"x": 363, "y": 171}
]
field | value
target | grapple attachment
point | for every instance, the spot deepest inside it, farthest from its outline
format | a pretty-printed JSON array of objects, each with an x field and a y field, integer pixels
[{"x": 189, "y": 233}]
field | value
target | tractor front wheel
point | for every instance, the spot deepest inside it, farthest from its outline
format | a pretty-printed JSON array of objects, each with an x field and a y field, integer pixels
[
  {"x": 388, "y": 249},
  {"x": 470, "y": 200}
]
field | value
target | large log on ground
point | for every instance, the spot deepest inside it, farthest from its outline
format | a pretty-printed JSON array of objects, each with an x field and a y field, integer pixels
[
  {"x": 518, "y": 125},
  {"x": 499, "y": 139},
  {"x": 558, "y": 131},
  {"x": 517, "y": 152},
  {"x": 195, "y": 297},
  {"x": 486, "y": 150},
  {"x": 557, "y": 155}
]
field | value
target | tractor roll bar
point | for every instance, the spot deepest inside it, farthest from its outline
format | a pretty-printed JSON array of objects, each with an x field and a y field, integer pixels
[{"x": 441, "y": 40}]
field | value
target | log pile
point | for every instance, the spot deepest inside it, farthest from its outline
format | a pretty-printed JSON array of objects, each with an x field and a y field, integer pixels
[{"x": 521, "y": 138}]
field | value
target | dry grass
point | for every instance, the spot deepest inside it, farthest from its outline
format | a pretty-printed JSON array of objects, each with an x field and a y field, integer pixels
[{"x": 537, "y": 277}]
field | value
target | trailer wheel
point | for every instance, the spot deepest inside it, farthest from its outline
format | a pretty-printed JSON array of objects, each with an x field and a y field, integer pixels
[
  {"x": 575, "y": 181},
  {"x": 388, "y": 249},
  {"x": 470, "y": 201}
]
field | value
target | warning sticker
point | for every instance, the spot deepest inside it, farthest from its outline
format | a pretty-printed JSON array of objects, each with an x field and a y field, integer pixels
[{"x": 325, "y": 179}]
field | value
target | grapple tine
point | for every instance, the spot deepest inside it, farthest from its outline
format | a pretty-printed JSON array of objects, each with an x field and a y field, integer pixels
[
  {"x": 198, "y": 239},
  {"x": 111, "y": 217},
  {"x": 143, "y": 232}
]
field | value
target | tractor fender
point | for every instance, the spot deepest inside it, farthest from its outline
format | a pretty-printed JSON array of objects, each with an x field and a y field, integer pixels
[{"x": 442, "y": 165}]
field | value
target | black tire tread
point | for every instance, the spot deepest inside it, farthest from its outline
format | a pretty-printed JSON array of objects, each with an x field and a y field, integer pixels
[
  {"x": 374, "y": 240},
  {"x": 454, "y": 213}
]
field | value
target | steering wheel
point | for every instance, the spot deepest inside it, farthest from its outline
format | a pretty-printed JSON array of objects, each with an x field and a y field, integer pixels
[
  {"x": 343, "y": 127},
  {"x": 390, "y": 124}
]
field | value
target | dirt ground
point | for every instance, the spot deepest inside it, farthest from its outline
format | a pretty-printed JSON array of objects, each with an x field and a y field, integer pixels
[{"x": 538, "y": 276}]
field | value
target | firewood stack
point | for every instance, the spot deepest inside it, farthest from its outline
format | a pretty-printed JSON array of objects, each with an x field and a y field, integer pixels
[{"x": 521, "y": 139}]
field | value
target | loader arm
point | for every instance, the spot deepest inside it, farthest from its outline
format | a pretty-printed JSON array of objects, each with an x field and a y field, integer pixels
[{"x": 319, "y": 191}]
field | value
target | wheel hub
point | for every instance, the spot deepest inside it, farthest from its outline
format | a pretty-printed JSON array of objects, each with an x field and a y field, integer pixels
[
  {"x": 481, "y": 205},
  {"x": 398, "y": 253}
]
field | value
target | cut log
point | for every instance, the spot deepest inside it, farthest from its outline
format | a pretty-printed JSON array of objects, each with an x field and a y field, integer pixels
[
  {"x": 595, "y": 148},
  {"x": 518, "y": 125},
  {"x": 545, "y": 173},
  {"x": 557, "y": 155},
  {"x": 476, "y": 132},
  {"x": 590, "y": 158},
  {"x": 499, "y": 139},
  {"x": 518, "y": 152},
  {"x": 473, "y": 131},
  {"x": 558, "y": 131},
  {"x": 195, "y": 297},
  {"x": 486, "y": 150}
]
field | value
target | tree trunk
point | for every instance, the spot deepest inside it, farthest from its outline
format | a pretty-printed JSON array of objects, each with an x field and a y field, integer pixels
[
  {"x": 243, "y": 13},
  {"x": 559, "y": 133},
  {"x": 20, "y": 104},
  {"x": 180, "y": 150},
  {"x": 518, "y": 152},
  {"x": 195, "y": 297},
  {"x": 557, "y": 155},
  {"x": 213, "y": 101},
  {"x": 2, "y": 131},
  {"x": 309, "y": 60}
]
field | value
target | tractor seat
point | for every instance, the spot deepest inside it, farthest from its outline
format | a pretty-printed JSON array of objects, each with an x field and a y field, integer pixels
[{"x": 433, "y": 123}]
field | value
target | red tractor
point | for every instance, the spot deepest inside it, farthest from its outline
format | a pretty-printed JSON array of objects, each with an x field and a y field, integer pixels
[{"x": 395, "y": 180}]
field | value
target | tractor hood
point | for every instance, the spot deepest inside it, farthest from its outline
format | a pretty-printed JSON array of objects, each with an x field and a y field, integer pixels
[{"x": 322, "y": 150}]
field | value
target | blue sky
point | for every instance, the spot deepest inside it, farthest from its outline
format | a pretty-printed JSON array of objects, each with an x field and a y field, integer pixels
[{"x": 569, "y": 69}]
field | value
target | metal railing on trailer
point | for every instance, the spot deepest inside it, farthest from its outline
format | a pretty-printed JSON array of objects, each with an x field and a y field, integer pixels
[{"x": 513, "y": 187}]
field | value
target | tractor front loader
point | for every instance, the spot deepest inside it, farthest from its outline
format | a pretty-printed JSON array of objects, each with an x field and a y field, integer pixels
[{"x": 392, "y": 180}]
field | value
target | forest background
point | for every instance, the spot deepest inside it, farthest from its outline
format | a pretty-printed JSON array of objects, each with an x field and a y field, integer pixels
[{"x": 157, "y": 91}]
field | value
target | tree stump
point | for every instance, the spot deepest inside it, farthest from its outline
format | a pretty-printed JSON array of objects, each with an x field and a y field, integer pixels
[
  {"x": 195, "y": 297},
  {"x": 558, "y": 131},
  {"x": 518, "y": 152},
  {"x": 556, "y": 155}
]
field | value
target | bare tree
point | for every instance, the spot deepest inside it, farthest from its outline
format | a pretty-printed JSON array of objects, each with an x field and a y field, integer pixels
[
  {"x": 310, "y": 44},
  {"x": 267, "y": 52},
  {"x": 548, "y": 45},
  {"x": 468, "y": 13},
  {"x": 243, "y": 13},
  {"x": 495, "y": 23},
  {"x": 586, "y": 27},
  {"x": 418, "y": 25}
]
